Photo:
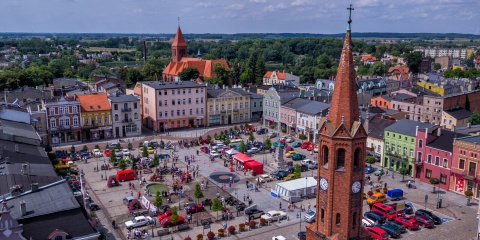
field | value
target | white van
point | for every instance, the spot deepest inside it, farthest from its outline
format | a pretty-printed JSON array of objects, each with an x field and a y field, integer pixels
[
  {"x": 310, "y": 215},
  {"x": 306, "y": 162}
]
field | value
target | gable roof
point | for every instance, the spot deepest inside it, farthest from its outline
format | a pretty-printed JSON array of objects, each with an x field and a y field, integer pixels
[
  {"x": 296, "y": 103},
  {"x": 94, "y": 102},
  {"x": 179, "y": 40},
  {"x": 408, "y": 127},
  {"x": 124, "y": 98},
  {"x": 204, "y": 67},
  {"x": 459, "y": 113},
  {"x": 445, "y": 140},
  {"x": 213, "y": 93},
  {"x": 377, "y": 125},
  {"x": 315, "y": 108}
]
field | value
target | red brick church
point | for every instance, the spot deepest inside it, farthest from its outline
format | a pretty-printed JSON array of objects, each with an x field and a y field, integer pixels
[{"x": 180, "y": 61}]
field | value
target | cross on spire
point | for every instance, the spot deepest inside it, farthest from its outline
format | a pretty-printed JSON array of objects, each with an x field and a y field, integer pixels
[
  {"x": 178, "y": 18},
  {"x": 350, "y": 9}
]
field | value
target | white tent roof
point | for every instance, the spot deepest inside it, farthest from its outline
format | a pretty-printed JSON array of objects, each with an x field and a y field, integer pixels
[
  {"x": 298, "y": 183},
  {"x": 231, "y": 152}
]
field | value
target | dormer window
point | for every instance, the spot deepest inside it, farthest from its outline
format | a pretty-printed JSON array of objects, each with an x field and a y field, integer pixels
[{"x": 91, "y": 107}]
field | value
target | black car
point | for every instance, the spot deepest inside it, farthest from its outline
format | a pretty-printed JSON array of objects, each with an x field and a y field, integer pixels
[
  {"x": 302, "y": 235},
  {"x": 281, "y": 174},
  {"x": 240, "y": 206},
  {"x": 392, "y": 230},
  {"x": 377, "y": 217},
  {"x": 303, "y": 168},
  {"x": 262, "y": 131},
  {"x": 408, "y": 209},
  {"x": 94, "y": 207},
  {"x": 435, "y": 218}
]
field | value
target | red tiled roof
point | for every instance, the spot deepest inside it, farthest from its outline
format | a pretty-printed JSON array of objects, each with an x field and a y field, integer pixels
[
  {"x": 280, "y": 75},
  {"x": 179, "y": 40},
  {"x": 369, "y": 57},
  {"x": 94, "y": 102},
  {"x": 205, "y": 67},
  {"x": 401, "y": 69}
]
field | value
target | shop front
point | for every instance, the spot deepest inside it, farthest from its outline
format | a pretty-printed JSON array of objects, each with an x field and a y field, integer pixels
[
  {"x": 101, "y": 133},
  {"x": 269, "y": 122},
  {"x": 65, "y": 136},
  {"x": 199, "y": 121},
  {"x": 161, "y": 124},
  {"x": 464, "y": 182},
  {"x": 291, "y": 129}
]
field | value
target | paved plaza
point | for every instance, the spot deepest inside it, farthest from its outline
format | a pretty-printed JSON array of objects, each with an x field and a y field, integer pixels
[{"x": 461, "y": 223}]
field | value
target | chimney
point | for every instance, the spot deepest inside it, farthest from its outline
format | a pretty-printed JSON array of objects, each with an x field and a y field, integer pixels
[
  {"x": 416, "y": 131},
  {"x": 23, "y": 208},
  {"x": 34, "y": 187},
  {"x": 426, "y": 133},
  {"x": 439, "y": 132}
]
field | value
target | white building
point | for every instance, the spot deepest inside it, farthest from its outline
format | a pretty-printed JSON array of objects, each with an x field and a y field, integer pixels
[
  {"x": 443, "y": 52},
  {"x": 275, "y": 78},
  {"x": 126, "y": 118}
]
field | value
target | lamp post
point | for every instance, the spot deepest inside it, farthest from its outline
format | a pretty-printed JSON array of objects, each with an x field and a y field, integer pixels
[
  {"x": 306, "y": 181},
  {"x": 97, "y": 163},
  {"x": 300, "y": 214},
  {"x": 105, "y": 164}
]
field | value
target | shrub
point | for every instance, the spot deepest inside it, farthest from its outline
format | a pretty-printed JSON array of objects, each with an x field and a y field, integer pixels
[
  {"x": 140, "y": 145},
  {"x": 210, "y": 234},
  {"x": 262, "y": 221},
  {"x": 302, "y": 136},
  {"x": 231, "y": 229},
  {"x": 48, "y": 148},
  {"x": 96, "y": 146},
  {"x": 434, "y": 181},
  {"x": 272, "y": 126},
  {"x": 284, "y": 130},
  {"x": 129, "y": 146},
  {"x": 370, "y": 159},
  {"x": 252, "y": 223},
  {"x": 241, "y": 226},
  {"x": 221, "y": 231},
  {"x": 85, "y": 148},
  {"x": 469, "y": 193}
]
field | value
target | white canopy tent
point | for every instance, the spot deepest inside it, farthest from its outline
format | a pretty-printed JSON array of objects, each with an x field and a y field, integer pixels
[
  {"x": 294, "y": 190},
  {"x": 231, "y": 152}
]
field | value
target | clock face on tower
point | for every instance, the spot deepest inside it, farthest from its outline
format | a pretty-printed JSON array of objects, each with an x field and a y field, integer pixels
[
  {"x": 356, "y": 187},
  {"x": 323, "y": 184}
]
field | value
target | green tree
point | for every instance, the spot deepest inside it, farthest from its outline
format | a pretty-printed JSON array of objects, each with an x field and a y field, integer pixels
[
  {"x": 153, "y": 69},
  {"x": 370, "y": 159},
  {"x": 158, "y": 200},
  {"x": 72, "y": 149},
  {"x": 242, "y": 147},
  {"x": 122, "y": 165},
  {"x": 129, "y": 146},
  {"x": 113, "y": 158},
  {"x": 48, "y": 148},
  {"x": 413, "y": 61},
  {"x": 298, "y": 171},
  {"x": 259, "y": 70},
  {"x": 434, "y": 182},
  {"x": 134, "y": 166},
  {"x": 198, "y": 194},
  {"x": 216, "y": 206},
  {"x": 302, "y": 136},
  {"x": 437, "y": 66},
  {"x": 251, "y": 138},
  {"x": 222, "y": 74},
  {"x": 96, "y": 146},
  {"x": 85, "y": 148},
  {"x": 475, "y": 118},
  {"x": 227, "y": 140},
  {"x": 189, "y": 73},
  {"x": 403, "y": 171},
  {"x": 247, "y": 77},
  {"x": 144, "y": 151},
  {"x": 156, "y": 161},
  {"x": 174, "y": 217},
  {"x": 58, "y": 67},
  {"x": 267, "y": 143}
]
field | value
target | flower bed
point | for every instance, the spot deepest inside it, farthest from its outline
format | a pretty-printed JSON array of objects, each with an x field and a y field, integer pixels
[
  {"x": 252, "y": 224},
  {"x": 241, "y": 227},
  {"x": 199, "y": 237},
  {"x": 210, "y": 235},
  {"x": 221, "y": 232},
  {"x": 231, "y": 230}
]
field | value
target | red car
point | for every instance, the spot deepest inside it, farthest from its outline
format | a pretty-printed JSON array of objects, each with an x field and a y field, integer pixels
[
  {"x": 204, "y": 141},
  {"x": 164, "y": 215},
  {"x": 166, "y": 221},
  {"x": 107, "y": 152},
  {"x": 311, "y": 147},
  {"x": 410, "y": 222},
  {"x": 424, "y": 221},
  {"x": 377, "y": 233},
  {"x": 305, "y": 145},
  {"x": 194, "y": 208},
  {"x": 205, "y": 149}
]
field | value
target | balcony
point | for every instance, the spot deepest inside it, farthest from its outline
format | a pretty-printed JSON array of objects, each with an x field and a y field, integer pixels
[
  {"x": 235, "y": 110},
  {"x": 397, "y": 156},
  {"x": 127, "y": 120},
  {"x": 126, "y": 109},
  {"x": 223, "y": 111},
  {"x": 470, "y": 175},
  {"x": 418, "y": 162}
]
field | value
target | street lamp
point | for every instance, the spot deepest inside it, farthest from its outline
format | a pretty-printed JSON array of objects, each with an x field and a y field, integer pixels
[
  {"x": 97, "y": 163},
  {"x": 105, "y": 164},
  {"x": 306, "y": 181},
  {"x": 300, "y": 214}
]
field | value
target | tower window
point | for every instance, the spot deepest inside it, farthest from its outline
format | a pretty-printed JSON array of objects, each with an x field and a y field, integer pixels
[
  {"x": 337, "y": 219},
  {"x": 354, "y": 220},
  {"x": 322, "y": 215},
  {"x": 325, "y": 156},
  {"x": 356, "y": 160},
  {"x": 340, "y": 159}
]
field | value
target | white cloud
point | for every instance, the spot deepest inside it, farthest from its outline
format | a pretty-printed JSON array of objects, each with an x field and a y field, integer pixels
[
  {"x": 205, "y": 4},
  {"x": 138, "y": 10},
  {"x": 271, "y": 8},
  {"x": 258, "y": 1},
  {"x": 236, "y": 7},
  {"x": 301, "y": 2}
]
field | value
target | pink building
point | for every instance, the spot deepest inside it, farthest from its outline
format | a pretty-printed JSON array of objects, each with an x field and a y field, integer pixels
[
  {"x": 172, "y": 105},
  {"x": 466, "y": 174},
  {"x": 434, "y": 149}
]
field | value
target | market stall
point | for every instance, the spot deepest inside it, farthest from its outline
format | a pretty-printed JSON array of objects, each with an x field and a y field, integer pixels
[
  {"x": 254, "y": 166},
  {"x": 294, "y": 190}
]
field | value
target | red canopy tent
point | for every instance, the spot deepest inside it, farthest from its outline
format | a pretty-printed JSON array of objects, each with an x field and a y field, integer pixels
[
  {"x": 255, "y": 166},
  {"x": 242, "y": 158}
]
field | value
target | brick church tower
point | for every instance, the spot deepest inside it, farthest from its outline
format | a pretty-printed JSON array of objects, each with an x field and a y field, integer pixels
[
  {"x": 341, "y": 159},
  {"x": 179, "y": 46}
]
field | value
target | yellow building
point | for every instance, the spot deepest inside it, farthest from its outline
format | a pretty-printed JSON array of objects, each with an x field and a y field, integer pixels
[
  {"x": 460, "y": 67},
  {"x": 433, "y": 87},
  {"x": 96, "y": 116},
  {"x": 228, "y": 106}
]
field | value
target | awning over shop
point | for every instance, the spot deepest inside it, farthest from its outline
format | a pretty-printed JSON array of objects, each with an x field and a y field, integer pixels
[
  {"x": 271, "y": 119},
  {"x": 242, "y": 158}
]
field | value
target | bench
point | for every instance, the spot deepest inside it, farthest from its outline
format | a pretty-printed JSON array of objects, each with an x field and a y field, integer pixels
[
  {"x": 163, "y": 232},
  {"x": 182, "y": 227},
  {"x": 206, "y": 222}
]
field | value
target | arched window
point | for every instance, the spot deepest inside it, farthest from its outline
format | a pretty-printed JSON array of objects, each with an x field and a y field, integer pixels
[
  {"x": 354, "y": 220},
  {"x": 116, "y": 117},
  {"x": 340, "y": 159},
  {"x": 136, "y": 115},
  {"x": 322, "y": 214},
  {"x": 356, "y": 159},
  {"x": 337, "y": 219},
  {"x": 325, "y": 156}
]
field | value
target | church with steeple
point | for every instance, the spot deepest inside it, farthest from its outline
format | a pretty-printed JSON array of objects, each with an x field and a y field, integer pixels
[
  {"x": 341, "y": 159},
  {"x": 180, "y": 61}
]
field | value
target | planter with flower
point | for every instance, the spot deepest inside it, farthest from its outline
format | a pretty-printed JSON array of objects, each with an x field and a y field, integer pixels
[
  {"x": 252, "y": 224},
  {"x": 210, "y": 235},
  {"x": 187, "y": 238},
  {"x": 231, "y": 230},
  {"x": 221, "y": 232},
  {"x": 200, "y": 237},
  {"x": 263, "y": 221},
  {"x": 384, "y": 190},
  {"x": 241, "y": 226}
]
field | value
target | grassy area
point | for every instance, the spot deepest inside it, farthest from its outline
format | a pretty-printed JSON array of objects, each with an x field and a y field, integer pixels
[{"x": 100, "y": 49}]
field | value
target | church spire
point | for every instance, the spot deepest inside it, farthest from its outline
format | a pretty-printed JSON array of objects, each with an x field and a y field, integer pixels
[
  {"x": 179, "y": 40},
  {"x": 179, "y": 46},
  {"x": 344, "y": 105}
]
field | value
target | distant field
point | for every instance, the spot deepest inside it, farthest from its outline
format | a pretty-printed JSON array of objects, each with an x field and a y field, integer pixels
[{"x": 100, "y": 49}]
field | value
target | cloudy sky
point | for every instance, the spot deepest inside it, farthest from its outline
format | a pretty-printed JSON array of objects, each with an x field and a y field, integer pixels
[{"x": 239, "y": 16}]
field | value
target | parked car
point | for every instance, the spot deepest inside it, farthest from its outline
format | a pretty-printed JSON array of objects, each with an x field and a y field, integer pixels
[
  {"x": 253, "y": 150},
  {"x": 424, "y": 221},
  {"x": 377, "y": 233},
  {"x": 107, "y": 152},
  {"x": 311, "y": 147},
  {"x": 271, "y": 216},
  {"x": 290, "y": 139},
  {"x": 290, "y": 176},
  {"x": 280, "y": 175},
  {"x": 150, "y": 150},
  {"x": 296, "y": 144},
  {"x": 94, "y": 207},
  {"x": 313, "y": 165},
  {"x": 125, "y": 152},
  {"x": 262, "y": 131},
  {"x": 378, "y": 218},
  {"x": 305, "y": 145},
  {"x": 392, "y": 230},
  {"x": 290, "y": 154},
  {"x": 167, "y": 213},
  {"x": 97, "y": 153},
  {"x": 302, "y": 235},
  {"x": 377, "y": 197},
  {"x": 310, "y": 215},
  {"x": 409, "y": 223},
  {"x": 205, "y": 149},
  {"x": 253, "y": 212},
  {"x": 166, "y": 221},
  {"x": 214, "y": 154},
  {"x": 435, "y": 218},
  {"x": 379, "y": 172},
  {"x": 315, "y": 150},
  {"x": 265, "y": 178},
  {"x": 272, "y": 135},
  {"x": 298, "y": 157},
  {"x": 366, "y": 222},
  {"x": 138, "y": 222},
  {"x": 369, "y": 169},
  {"x": 194, "y": 208}
]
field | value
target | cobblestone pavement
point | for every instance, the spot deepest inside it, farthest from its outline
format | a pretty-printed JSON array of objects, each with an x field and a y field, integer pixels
[{"x": 454, "y": 205}]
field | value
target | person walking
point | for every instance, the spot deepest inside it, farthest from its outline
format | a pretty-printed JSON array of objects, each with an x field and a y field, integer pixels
[
  {"x": 280, "y": 206},
  {"x": 244, "y": 197},
  {"x": 309, "y": 206}
]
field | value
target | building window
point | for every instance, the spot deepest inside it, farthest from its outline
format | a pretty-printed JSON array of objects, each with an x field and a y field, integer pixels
[
  {"x": 461, "y": 164},
  {"x": 116, "y": 117},
  {"x": 379, "y": 148},
  {"x": 201, "y": 111},
  {"x": 428, "y": 173},
  {"x": 53, "y": 123},
  {"x": 160, "y": 114},
  {"x": 134, "y": 105},
  {"x": 166, "y": 103},
  {"x": 160, "y": 103},
  {"x": 99, "y": 120},
  {"x": 340, "y": 159},
  {"x": 420, "y": 143},
  {"x": 354, "y": 220},
  {"x": 52, "y": 111},
  {"x": 178, "y": 112},
  {"x": 443, "y": 178},
  {"x": 411, "y": 152},
  {"x": 337, "y": 219},
  {"x": 325, "y": 156},
  {"x": 115, "y": 106},
  {"x": 75, "y": 109},
  {"x": 166, "y": 113},
  {"x": 172, "y": 113},
  {"x": 472, "y": 168},
  {"x": 437, "y": 161},
  {"x": 106, "y": 120},
  {"x": 429, "y": 158},
  {"x": 356, "y": 159},
  {"x": 322, "y": 215},
  {"x": 189, "y": 101},
  {"x": 191, "y": 111},
  {"x": 183, "y": 112},
  {"x": 184, "y": 101},
  {"x": 75, "y": 121},
  {"x": 173, "y": 102},
  {"x": 86, "y": 122}
]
